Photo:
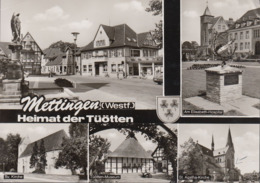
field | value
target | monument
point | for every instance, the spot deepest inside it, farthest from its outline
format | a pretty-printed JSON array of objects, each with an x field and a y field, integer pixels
[
  {"x": 13, "y": 81},
  {"x": 223, "y": 83}
]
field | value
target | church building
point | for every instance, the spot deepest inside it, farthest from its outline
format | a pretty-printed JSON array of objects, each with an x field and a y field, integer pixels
[
  {"x": 220, "y": 163},
  {"x": 52, "y": 145}
]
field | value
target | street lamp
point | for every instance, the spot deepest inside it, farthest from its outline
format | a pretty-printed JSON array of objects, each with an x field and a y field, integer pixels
[{"x": 75, "y": 34}]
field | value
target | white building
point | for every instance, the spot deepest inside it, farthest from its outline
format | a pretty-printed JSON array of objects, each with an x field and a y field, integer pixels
[
  {"x": 129, "y": 157},
  {"x": 119, "y": 49},
  {"x": 52, "y": 144}
]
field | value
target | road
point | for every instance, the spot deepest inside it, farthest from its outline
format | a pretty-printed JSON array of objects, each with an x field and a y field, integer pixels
[{"x": 141, "y": 91}]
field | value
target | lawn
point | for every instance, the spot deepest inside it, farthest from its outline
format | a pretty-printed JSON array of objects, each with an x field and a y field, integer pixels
[{"x": 194, "y": 82}]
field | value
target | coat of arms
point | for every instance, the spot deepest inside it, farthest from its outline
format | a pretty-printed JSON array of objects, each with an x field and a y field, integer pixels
[{"x": 168, "y": 108}]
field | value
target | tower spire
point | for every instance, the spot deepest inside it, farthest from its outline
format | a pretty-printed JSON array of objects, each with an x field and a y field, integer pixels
[
  {"x": 212, "y": 143},
  {"x": 207, "y": 12},
  {"x": 229, "y": 139}
]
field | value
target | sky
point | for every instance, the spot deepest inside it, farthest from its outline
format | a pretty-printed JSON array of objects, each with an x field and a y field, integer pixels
[
  {"x": 49, "y": 21},
  {"x": 245, "y": 139},
  {"x": 191, "y": 10}
]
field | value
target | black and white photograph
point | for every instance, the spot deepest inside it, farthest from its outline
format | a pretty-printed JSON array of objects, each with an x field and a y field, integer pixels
[
  {"x": 218, "y": 152},
  {"x": 220, "y": 56},
  {"x": 36, "y": 151},
  {"x": 138, "y": 152},
  {"x": 109, "y": 51}
]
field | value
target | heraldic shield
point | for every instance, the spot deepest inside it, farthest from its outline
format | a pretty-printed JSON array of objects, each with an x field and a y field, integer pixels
[{"x": 168, "y": 108}]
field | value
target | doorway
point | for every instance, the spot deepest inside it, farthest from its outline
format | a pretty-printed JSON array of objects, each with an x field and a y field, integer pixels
[{"x": 97, "y": 69}]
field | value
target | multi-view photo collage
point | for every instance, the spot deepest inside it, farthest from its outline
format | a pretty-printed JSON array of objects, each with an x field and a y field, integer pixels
[{"x": 130, "y": 91}]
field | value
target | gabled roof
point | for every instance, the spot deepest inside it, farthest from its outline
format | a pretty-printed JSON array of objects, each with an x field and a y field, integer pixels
[
  {"x": 119, "y": 35},
  {"x": 5, "y": 49},
  {"x": 130, "y": 148},
  {"x": 52, "y": 52},
  {"x": 110, "y": 31},
  {"x": 33, "y": 40},
  {"x": 219, "y": 152},
  {"x": 51, "y": 142},
  {"x": 56, "y": 61},
  {"x": 205, "y": 150}
]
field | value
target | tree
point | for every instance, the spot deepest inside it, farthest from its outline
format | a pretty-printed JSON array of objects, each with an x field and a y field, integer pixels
[
  {"x": 74, "y": 150},
  {"x": 42, "y": 156},
  {"x": 34, "y": 157},
  {"x": 62, "y": 45},
  {"x": 190, "y": 160},
  {"x": 12, "y": 143},
  {"x": 3, "y": 153},
  {"x": 155, "y": 6},
  {"x": 98, "y": 146}
]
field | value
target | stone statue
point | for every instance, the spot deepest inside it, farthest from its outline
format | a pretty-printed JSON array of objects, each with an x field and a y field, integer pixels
[{"x": 16, "y": 28}]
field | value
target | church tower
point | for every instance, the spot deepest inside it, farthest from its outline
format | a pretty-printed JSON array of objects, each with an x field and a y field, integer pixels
[
  {"x": 230, "y": 156},
  {"x": 205, "y": 20},
  {"x": 212, "y": 144}
]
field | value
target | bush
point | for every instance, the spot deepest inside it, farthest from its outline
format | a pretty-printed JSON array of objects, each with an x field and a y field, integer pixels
[
  {"x": 63, "y": 82},
  {"x": 40, "y": 171}
]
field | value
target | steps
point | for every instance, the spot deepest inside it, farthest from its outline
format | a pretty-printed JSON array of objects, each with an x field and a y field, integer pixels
[{"x": 11, "y": 99}]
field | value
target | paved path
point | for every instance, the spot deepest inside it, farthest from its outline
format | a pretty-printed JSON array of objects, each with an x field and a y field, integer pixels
[
  {"x": 243, "y": 105},
  {"x": 142, "y": 92}
]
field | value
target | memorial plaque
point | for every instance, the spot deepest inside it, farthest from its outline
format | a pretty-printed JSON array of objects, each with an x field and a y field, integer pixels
[{"x": 231, "y": 79}]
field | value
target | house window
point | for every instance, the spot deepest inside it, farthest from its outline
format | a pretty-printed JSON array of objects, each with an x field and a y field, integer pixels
[
  {"x": 135, "y": 53},
  {"x": 241, "y": 46},
  {"x": 89, "y": 68},
  {"x": 245, "y": 45},
  {"x": 247, "y": 34},
  {"x": 119, "y": 52},
  {"x": 113, "y": 67},
  {"x": 235, "y": 35},
  {"x": 219, "y": 27},
  {"x": 145, "y": 53},
  {"x": 223, "y": 27},
  {"x": 241, "y": 35},
  {"x": 248, "y": 45},
  {"x": 112, "y": 53},
  {"x": 84, "y": 68}
]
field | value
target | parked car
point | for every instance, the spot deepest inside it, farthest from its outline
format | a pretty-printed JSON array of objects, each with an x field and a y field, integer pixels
[{"x": 158, "y": 77}]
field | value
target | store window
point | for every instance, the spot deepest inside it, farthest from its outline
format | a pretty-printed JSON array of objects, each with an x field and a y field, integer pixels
[
  {"x": 120, "y": 67},
  {"x": 105, "y": 68},
  {"x": 113, "y": 67}
]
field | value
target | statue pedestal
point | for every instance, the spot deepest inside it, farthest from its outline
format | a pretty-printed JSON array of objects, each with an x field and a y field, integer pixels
[
  {"x": 223, "y": 84},
  {"x": 12, "y": 86}
]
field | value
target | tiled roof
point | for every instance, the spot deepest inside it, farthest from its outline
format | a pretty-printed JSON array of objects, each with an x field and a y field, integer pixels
[
  {"x": 51, "y": 142},
  {"x": 250, "y": 15},
  {"x": 56, "y": 61},
  {"x": 51, "y": 52},
  {"x": 4, "y": 47},
  {"x": 120, "y": 35},
  {"x": 130, "y": 148},
  {"x": 205, "y": 150},
  {"x": 110, "y": 31},
  {"x": 221, "y": 151}
]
